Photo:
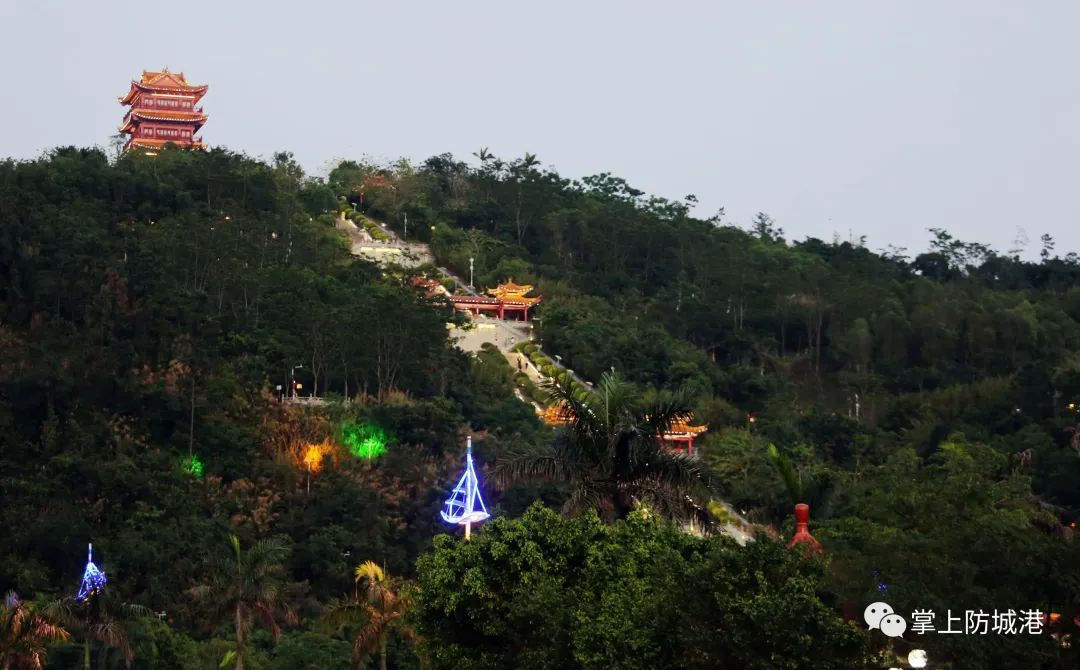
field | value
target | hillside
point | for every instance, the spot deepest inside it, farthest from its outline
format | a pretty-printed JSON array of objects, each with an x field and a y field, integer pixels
[{"x": 154, "y": 310}]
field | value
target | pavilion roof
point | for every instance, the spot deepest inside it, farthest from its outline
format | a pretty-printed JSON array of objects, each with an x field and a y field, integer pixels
[
  {"x": 473, "y": 299},
  {"x": 162, "y": 81},
  {"x": 510, "y": 290},
  {"x": 431, "y": 286},
  {"x": 684, "y": 427}
]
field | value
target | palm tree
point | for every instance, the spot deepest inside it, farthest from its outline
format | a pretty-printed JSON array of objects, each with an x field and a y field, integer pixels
[
  {"x": 521, "y": 170},
  {"x": 610, "y": 454},
  {"x": 248, "y": 585},
  {"x": 24, "y": 634},
  {"x": 814, "y": 488},
  {"x": 379, "y": 613},
  {"x": 484, "y": 155},
  {"x": 99, "y": 619}
]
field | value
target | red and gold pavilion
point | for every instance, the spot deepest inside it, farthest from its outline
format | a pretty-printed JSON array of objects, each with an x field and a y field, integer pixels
[
  {"x": 163, "y": 111},
  {"x": 504, "y": 299},
  {"x": 679, "y": 437}
]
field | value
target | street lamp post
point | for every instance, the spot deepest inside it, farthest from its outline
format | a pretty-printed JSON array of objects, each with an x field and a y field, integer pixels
[
  {"x": 471, "y": 273},
  {"x": 405, "y": 235},
  {"x": 292, "y": 380}
]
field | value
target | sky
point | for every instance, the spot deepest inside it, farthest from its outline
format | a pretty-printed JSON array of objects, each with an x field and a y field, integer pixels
[{"x": 840, "y": 119}]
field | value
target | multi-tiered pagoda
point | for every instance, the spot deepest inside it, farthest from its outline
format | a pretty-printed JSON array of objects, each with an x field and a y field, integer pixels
[{"x": 163, "y": 110}]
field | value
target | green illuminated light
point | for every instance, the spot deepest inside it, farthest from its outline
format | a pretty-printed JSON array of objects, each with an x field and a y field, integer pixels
[
  {"x": 193, "y": 466},
  {"x": 364, "y": 440}
]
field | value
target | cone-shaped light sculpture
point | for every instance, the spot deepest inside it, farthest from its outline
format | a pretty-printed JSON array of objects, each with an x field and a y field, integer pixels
[
  {"x": 93, "y": 579},
  {"x": 465, "y": 506}
]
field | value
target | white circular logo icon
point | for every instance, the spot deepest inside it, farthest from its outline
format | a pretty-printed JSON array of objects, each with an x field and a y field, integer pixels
[{"x": 875, "y": 612}]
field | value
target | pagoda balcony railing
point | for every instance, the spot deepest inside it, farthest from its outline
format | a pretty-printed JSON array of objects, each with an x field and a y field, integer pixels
[{"x": 151, "y": 108}]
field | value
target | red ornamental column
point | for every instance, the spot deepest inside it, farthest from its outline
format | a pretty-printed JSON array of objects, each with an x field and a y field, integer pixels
[
  {"x": 802, "y": 531},
  {"x": 502, "y": 311}
]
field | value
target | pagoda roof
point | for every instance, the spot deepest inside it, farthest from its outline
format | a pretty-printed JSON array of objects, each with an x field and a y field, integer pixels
[
  {"x": 148, "y": 115},
  {"x": 162, "y": 81},
  {"x": 175, "y": 117},
  {"x": 511, "y": 290}
]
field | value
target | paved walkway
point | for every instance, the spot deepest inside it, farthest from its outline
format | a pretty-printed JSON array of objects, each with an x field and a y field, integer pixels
[{"x": 503, "y": 334}]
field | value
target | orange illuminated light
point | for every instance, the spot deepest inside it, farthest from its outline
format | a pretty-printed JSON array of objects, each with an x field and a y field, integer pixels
[{"x": 314, "y": 454}]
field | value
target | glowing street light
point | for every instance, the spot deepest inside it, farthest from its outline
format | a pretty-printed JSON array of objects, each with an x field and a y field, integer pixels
[
  {"x": 293, "y": 385},
  {"x": 917, "y": 658}
]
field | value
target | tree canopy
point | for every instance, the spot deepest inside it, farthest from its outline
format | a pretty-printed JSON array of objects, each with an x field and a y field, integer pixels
[{"x": 155, "y": 311}]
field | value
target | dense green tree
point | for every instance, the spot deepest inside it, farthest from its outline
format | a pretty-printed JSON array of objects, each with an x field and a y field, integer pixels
[{"x": 545, "y": 592}]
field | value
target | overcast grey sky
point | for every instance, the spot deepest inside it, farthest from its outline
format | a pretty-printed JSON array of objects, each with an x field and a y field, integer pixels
[{"x": 879, "y": 118}]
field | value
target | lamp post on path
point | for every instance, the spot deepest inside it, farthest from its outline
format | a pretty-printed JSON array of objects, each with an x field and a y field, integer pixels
[{"x": 292, "y": 380}]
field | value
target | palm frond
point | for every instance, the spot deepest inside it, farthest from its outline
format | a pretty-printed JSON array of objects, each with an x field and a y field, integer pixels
[
  {"x": 674, "y": 504},
  {"x": 111, "y": 634},
  {"x": 340, "y": 613},
  {"x": 787, "y": 473},
  {"x": 266, "y": 614},
  {"x": 667, "y": 410},
  {"x": 370, "y": 636},
  {"x": 584, "y": 421},
  {"x": 677, "y": 471},
  {"x": 370, "y": 570},
  {"x": 616, "y": 400},
  {"x": 532, "y": 467},
  {"x": 586, "y": 495}
]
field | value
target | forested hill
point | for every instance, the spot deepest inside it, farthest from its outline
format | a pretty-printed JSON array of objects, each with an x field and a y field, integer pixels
[
  {"x": 152, "y": 309},
  {"x": 925, "y": 404},
  {"x": 959, "y": 338}
]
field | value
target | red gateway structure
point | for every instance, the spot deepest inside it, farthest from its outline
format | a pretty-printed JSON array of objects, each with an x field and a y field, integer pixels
[{"x": 163, "y": 111}]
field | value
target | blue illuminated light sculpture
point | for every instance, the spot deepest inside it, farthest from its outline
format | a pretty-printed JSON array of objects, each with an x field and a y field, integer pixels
[
  {"x": 883, "y": 588},
  {"x": 93, "y": 579},
  {"x": 465, "y": 506}
]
